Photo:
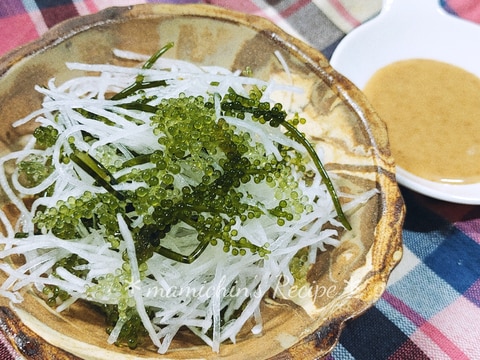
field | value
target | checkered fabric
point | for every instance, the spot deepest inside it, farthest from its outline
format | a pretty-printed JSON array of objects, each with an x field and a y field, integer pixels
[
  {"x": 431, "y": 308},
  {"x": 320, "y": 23}
]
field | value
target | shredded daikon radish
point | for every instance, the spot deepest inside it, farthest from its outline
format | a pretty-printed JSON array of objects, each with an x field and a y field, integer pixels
[{"x": 109, "y": 255}]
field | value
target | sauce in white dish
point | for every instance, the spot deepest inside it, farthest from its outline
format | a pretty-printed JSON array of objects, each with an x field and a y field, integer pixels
[{"x": 432, "y": 111}]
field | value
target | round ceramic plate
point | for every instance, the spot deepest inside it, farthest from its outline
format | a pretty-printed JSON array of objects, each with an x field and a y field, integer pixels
[
  {"x": 345, "y": 280},
  {"x": 400, "y": 33}
]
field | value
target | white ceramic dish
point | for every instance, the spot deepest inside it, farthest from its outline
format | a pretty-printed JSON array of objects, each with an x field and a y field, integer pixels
[{"x": 407, "y": 29}]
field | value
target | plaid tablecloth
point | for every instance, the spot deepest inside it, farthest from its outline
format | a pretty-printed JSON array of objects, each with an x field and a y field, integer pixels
[{"x": 431, "y": 308}]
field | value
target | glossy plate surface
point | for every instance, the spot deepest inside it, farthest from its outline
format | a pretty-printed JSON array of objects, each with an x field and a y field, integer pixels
[
  {"x": 351, "y": 135},
  {"x": 407, "y": 29}
]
